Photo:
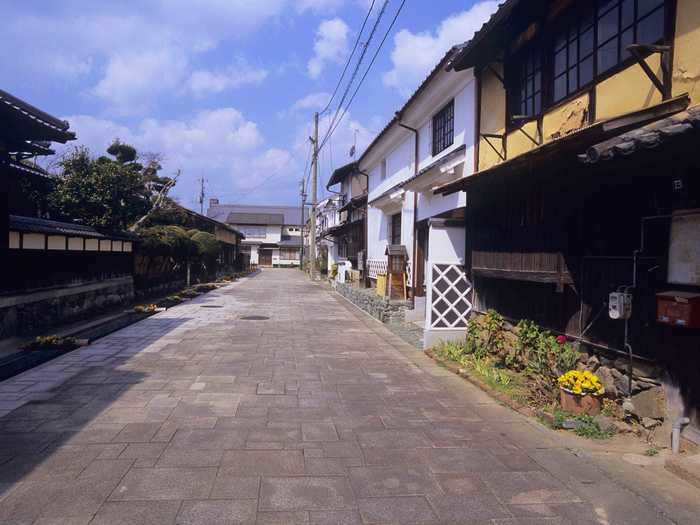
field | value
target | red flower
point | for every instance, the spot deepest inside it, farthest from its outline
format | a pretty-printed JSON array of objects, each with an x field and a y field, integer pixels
[{"x": 561, "y": 339}]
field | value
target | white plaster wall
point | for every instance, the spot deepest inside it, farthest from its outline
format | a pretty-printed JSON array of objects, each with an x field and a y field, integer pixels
[
  {"x": 254, "y": 255},
  {"x": 446, "y": 244},
  {"x": 377, "y": 233},
  {"x": 430, "y": 205}
]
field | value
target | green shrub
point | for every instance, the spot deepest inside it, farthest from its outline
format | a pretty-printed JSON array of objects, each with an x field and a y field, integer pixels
[
  {"x": 188, "y": 293},
  {"x": 51, "y": 342},
  {"x": 204, "y": 288}
]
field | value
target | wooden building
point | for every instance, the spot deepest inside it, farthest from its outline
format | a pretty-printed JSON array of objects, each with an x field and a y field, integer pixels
[
  {"x": 586, "y": 158},
  {"x": 51, "y": 270},
  {"x": 348, "y": 234}
]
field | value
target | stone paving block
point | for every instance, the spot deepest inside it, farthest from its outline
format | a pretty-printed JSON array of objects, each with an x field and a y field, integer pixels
[
  {"x": 137, "y": 513},
  {"x": 210, "y": 439},
  {"x": 143, "y": 451},
  {"x": 322, "y": 431},
  {"x": 306, "y": 493},
  {"x": 227, "y": 486},
  {"x": 137, "y": 432},
  {"x": 521, "y": 488},
  {"x": 393, "y": 439},
  {"x": 404, "y": 480},
  {"x": 405, "y": 510},
  {"x": 341, "y": 449},
  {"x": 462, "y": 508},
  {"x": 271, "y": 389},
  {"x": 263, "y": 463},
  {"x": 325, "y": 466},
  {"x": 188, "y": 457},
  {"x": 219, "y": 512},
  {"x": 283, "y": 518},
  {"x": 165, "y": 484},
  {"x": 461, "y": 460},
  {"x": 75, "y": 520}
]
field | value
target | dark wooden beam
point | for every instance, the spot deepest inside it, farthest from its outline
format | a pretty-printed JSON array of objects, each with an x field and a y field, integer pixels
[{"x": 637, "y": 49}]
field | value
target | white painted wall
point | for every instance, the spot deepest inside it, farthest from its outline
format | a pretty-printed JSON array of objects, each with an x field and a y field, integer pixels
[
  {"x": 446, "y": 244},
  {"x": 398, "y": 148}
]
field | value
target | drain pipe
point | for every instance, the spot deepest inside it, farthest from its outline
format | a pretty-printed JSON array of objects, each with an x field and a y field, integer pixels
[
  {"x": 416, "y": 155},
  {"x": 676, "y": 435}
]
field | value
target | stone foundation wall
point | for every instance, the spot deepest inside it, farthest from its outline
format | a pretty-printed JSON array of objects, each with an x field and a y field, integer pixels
[
  {"x": 33, "y": 313},
  {"x": 389, "y": 312}
]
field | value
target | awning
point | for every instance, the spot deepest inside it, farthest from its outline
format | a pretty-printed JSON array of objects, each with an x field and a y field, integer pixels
[
  {"x": 566, "y": 149},
  {"x": 439, "y": 172}
]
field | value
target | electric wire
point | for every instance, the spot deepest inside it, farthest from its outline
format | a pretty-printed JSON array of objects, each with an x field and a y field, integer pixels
[
  {"x": 352, "y": 53},
  {"x": 330, "y": 132}
]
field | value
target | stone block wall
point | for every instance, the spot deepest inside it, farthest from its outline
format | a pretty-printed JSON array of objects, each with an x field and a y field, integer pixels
[
  {"x": 34, "y": 313},
  {"x": 389, "y": 312}
]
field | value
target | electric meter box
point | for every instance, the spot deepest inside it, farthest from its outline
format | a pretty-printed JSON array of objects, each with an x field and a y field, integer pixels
[
  {"x": 620, "y": 305},
  {"x": 678, "y": 308}
]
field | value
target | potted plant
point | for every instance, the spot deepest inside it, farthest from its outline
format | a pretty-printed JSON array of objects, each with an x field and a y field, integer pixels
[{"x": 580, "y": 392}]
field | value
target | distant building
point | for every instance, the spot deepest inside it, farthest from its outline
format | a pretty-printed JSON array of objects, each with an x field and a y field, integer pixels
[{"x": 272, "y": 233}]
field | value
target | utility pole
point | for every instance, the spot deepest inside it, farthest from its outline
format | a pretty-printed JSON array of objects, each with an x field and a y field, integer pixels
[
  {"x": 302, "y": 194},
  {"x": 201, "y": 196},
  {"x": 314, "y": 177}
]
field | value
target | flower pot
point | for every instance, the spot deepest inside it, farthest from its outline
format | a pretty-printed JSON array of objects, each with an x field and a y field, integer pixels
[{"x": 579, "y": 404}]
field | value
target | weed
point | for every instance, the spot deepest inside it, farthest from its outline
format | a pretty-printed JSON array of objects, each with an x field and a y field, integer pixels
[
  {"x": 586, "y": 426},
  {"x": 651, "y": 452}
]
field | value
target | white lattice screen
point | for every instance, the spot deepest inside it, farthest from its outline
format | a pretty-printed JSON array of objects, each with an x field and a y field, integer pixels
[
  {"x": 375, "y": 266},
  {"x": 449, "y": 296}
]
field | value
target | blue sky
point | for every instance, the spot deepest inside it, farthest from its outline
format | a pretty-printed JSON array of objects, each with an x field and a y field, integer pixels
[{"x": 223, "y": 89}]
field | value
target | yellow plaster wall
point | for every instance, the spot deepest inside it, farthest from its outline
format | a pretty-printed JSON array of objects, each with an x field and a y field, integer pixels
[
  {"x": 629, "y": 90},
  {"x": 686, "y": 59},
  {"x": 492, "y": 116},
  {"x": 566, "y": 118},
  {"x": 518, "y": 143}
]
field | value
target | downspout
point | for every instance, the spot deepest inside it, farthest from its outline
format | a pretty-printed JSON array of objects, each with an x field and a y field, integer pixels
[
  {"x": 364, "y": 241},
  {"x": 415, "y": 202}
]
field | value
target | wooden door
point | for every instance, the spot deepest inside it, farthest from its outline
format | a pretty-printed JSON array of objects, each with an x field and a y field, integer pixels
[{"x": 265, "y": 257}]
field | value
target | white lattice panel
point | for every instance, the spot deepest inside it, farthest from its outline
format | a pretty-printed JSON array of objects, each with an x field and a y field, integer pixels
[
  {"x": 375, "y": 266},
  {"x": 449, "y": 296}
]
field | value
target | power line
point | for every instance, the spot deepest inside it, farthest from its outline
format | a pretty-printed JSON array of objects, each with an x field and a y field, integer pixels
[
  {"x": 264, "y": 181},
  {"x": 347, "y": 63},
  {"x": 330, "y": 132},
  {"x": 357, "y": 69}
]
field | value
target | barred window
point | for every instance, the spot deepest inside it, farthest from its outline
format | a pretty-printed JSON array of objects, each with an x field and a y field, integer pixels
[{"x": 444, "y": 128}]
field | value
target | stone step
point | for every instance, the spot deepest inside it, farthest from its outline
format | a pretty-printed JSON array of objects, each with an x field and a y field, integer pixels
[{"x": 685, "y": 467}]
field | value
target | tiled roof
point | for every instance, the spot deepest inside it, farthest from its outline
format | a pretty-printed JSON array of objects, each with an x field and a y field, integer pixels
[
  {"x": 255, "y": 218},
  {"x": 36, "y": 225},
  {"x": 34, "y": 122},
  {"x": 647, "y": 137},
  {"x": 291, "y": 214}
]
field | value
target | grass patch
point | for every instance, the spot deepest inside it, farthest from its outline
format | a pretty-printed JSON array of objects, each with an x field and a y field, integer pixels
[{"x": 585, "y": 425}]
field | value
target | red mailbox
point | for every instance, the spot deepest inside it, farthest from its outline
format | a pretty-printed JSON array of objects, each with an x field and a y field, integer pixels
[{"x": 678, "y": 308}]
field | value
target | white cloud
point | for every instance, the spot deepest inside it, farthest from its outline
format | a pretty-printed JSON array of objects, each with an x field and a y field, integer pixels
[
  {"x": 415, "y": 54},
  {"x": 318, "y": 6},
  {"x": 330, "y": 46},
  {"x": 131, "y": 81},
  {"x": 220, "y": 144},
  {"x": 204, "y": 82},
  {"x": 310, "y": 101}
]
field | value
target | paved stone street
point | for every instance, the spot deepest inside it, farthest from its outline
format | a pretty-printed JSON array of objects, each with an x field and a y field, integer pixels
[{"x": 318, "y": 415}]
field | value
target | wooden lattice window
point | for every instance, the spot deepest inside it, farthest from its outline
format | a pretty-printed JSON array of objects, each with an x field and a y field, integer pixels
[
  {"x": 396, "y": 229},
  {"x": 444, "y": 128}
]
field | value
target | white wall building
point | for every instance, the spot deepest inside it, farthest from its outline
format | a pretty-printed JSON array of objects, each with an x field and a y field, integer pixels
[
  {"x": 428, "y": 143},
  {"x": 272, "y": 233}
]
